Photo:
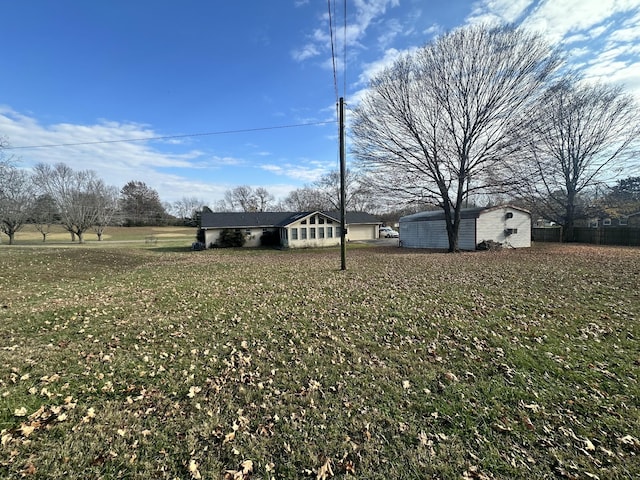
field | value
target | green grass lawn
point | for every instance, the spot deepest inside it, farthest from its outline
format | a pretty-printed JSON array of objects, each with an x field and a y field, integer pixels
[{"x": 237, "y": 364}]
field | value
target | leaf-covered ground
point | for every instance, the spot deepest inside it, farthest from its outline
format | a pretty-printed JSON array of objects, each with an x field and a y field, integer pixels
[{"x": 142, "y": 363}]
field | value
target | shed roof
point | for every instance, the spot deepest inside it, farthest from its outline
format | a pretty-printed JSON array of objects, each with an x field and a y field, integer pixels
[{"x": 464, "y": 213}]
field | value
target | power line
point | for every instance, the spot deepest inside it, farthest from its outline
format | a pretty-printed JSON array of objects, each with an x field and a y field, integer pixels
[
  {"x": 344, "y": 46},
  {"x": 169, "y": 137},
  {"x": 333, "y": 54}
]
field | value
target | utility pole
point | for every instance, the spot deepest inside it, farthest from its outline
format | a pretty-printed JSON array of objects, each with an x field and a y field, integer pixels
[{"x": 343, "y": 196}]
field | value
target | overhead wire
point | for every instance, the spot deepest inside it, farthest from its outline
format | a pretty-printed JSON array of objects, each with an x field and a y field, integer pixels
[
  {"x": 333, "y": 53},
  {"x": 169, "y": 137},
  {"x": 344, "y": 51}
]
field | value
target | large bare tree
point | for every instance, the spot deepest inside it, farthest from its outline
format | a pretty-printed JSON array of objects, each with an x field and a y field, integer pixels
[
  {"x": 435, "y": 126},
  {"x": 579, "y": 136},
  {"x": 16, "y": 199},
  {"x": 77, "y": 196}
]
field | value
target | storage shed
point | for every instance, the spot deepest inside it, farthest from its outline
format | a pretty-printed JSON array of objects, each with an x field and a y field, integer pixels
[{"x": 511, "y": 226}]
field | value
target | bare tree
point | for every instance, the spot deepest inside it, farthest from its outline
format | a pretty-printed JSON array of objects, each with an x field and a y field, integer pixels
[
  {"x": 263, "y": 199},
  {"x": 306, "y": 199},
  {"x": 44, "y": 214},
  {"x": 435, "y": 127},
  {"x": 359, "y": 194},
  {"x": 105, "y": 199},
  {"x": 187, "y": 208},
  {"x": 245, "y": 199},
  {"x": 16, "y": 199},
  {"x": 75, "y": 194},
  {"x": 579, "y": 135}
]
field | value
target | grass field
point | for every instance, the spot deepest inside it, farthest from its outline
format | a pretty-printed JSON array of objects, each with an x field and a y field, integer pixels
[
  {"x": 151, "y": 363},
  {"x": 29, "y": 235}
]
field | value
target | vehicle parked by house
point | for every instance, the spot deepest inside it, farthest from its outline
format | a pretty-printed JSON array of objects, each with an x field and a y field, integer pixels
[{"x": 388, "y": 232}]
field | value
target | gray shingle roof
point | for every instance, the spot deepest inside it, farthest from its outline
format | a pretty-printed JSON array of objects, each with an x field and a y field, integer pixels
[
  {"x": 273, "y": 219},
  {"x": 464, "y": 213}
]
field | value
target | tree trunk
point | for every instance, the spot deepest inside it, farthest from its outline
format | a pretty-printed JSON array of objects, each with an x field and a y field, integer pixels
[
  {"x": 569, "y": 220},
  {"x": 11, "y": 236}
]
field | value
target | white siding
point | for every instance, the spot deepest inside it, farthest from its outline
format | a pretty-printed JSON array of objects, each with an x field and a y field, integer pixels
[{"x": 492, "y": 225}]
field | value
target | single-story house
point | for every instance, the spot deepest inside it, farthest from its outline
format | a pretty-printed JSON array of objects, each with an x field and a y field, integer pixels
[
  {"x": 295, "y": 229},
  {"x": 511, "y": 226}
]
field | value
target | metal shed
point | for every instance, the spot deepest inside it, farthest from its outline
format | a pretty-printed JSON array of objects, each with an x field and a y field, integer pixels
[{"x": 509, "y": 225}]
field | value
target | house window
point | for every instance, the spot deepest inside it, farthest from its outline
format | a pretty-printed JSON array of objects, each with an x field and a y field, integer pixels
[
  {"x": 247, "y": 231},
  {"x": 304, "y": 222},
  {"x": 312, "y": 233},
  {"x": 321, "y": 232},
  {"x": 329, "y": 221},
  {"x": 509, "y": 215},
  {"x": 606, "y": 222},
  {"x": 312, "y": 220},
  {"x": 303, "y": 234},
  {"x": 511, "y": 231},
  {"x": 329, "y": 232},
  {"x": 294, "y": 234},
  {"x": 321, "y": 220},
  {"x": 622, "y": 221}
]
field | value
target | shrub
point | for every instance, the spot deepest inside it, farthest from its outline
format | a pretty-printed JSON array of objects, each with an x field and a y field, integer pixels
[
  {"x": 270, "y": 239},
  {"x": 489, "y": 245},
  {"x": 230, "y": 238}
]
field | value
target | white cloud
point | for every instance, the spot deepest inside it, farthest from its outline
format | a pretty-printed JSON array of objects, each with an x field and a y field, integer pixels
[
  {"x": 604, "y": 34},
  {"x": 116, "y": 162},
  {"x": 307, "y": 51},
  {"x": 306, "y": 171},
  {"x": 493, "y": 12},
  {"x": 367, "y": 12}
]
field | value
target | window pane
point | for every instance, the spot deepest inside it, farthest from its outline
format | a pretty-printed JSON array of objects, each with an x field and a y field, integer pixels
[
  {"x": 321, "y": 232},
  {"x": 313, "y": 232},
  {"x": 330, "y": 232},
  {"x": 303, "y": 234},
  {"x": 294, "y": 234}
]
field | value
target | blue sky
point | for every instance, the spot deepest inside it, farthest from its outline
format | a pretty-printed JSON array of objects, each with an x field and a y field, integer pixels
[{"x": 82, "y": 72}]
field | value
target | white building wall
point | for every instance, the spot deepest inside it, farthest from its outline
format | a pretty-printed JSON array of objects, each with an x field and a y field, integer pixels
[
  {"x": 322, "y": 238},
  {"x": 493, "y": 224},
  {"x": 362, "y": 232}
]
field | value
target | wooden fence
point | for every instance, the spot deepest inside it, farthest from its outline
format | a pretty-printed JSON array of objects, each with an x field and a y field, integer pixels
[{"x": 597, "y": 236}]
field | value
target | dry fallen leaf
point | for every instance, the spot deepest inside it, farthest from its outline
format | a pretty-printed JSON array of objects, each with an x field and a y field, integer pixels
[
  {"x": 193, "y": 469},
  {"x": 325, "y": 471},
  {"x": 20, "y": 412}
]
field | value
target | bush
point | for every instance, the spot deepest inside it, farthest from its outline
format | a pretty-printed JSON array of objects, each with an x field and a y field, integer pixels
[
  {"x": 230, "y": 238},
  {"x": 270, "y": 239},
  {"x": 489, "y": 245}
]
